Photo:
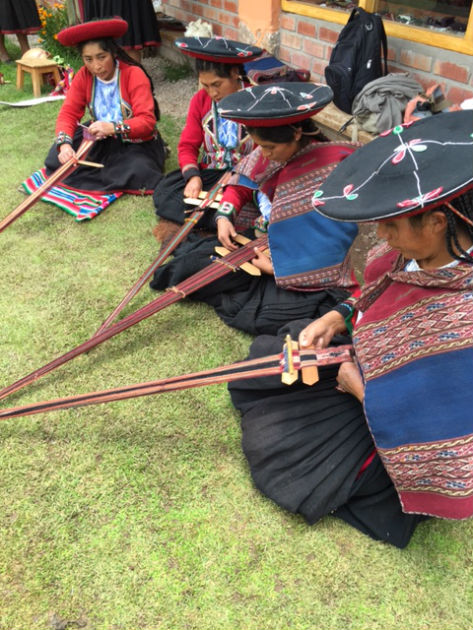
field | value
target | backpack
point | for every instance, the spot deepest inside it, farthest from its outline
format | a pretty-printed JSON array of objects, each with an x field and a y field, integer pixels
[{"x": 356, "y": 57}]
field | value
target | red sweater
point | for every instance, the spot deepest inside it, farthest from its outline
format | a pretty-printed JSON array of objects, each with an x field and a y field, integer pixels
[
  {"x": 199, "y": 134},
  {"x": 136, "y": 102}
]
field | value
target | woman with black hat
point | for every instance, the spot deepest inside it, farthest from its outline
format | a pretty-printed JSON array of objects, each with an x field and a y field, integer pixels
[
  {"x": 387, "y": 440},
  {"x": 309, "y": 269},
  {"x": 118, "y": 95},
  {"x": 209, "y": 145}
]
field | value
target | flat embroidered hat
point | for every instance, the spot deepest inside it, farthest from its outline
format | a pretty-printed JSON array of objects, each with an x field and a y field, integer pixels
[
  {"x": 407, "y": 170},
  {"x": 95, "y": 29},
  {"x": 218, "y": 49},
  {"x": 275, "y": 105}
]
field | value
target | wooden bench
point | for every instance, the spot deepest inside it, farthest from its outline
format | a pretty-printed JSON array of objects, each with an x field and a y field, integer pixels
[
  {"x": 37, "y": 67},
  {"x": 331, "y": 119}
]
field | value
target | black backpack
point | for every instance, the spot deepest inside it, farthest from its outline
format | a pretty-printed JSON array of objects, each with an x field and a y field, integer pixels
[{"x": 356, "y": 58}]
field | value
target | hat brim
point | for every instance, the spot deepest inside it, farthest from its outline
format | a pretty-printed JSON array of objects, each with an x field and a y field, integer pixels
[
  {"x": 275, "y": 105},
  {"x": 407, "y": 170},
  {"x": 218, "y": 49},
  {"x": 96, "y": 29}
]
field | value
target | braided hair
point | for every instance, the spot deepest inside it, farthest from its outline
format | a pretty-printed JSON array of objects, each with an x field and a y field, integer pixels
[
  {"x": 455, "y": 225},
  {"x": 110, "y": 45}
]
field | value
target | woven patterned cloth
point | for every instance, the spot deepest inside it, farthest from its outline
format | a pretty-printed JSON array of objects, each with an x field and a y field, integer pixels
[
  {"x": 80, "y": 204},
  {"x": 414, "y": 344}
]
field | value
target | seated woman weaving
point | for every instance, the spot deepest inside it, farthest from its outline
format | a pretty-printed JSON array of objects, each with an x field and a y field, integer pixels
[
  {"x": 118, "y": 95},
  {"x": 386, "y": 440},
  {"x": 309, "y": 272},
  {"x": 209, "y": 145}
]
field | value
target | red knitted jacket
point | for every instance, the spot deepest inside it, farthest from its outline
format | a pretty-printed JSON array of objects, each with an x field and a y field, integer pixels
[{"x": 136, "y": 102}]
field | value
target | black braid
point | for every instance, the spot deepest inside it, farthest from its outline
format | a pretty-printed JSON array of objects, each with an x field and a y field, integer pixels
[
  {"x": 110, "y": 45},
  {"x": 455, "y": 225},
  {"x": 464, "y": 204}
]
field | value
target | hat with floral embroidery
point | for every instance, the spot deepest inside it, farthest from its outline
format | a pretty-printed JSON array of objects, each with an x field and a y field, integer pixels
[
  {"x": 95, "y": 29},
  {"x": 275, "y": 105},
  {"x": 407, "y": 170},
  {"x": 218, "y": 49}
]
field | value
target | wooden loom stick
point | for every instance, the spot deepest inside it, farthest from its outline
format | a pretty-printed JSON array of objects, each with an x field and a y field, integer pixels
[
  {"x": 214, "y": 271},
  {"x": 63, "y": 171},
  {"x": 290, "y": 361},
  {"x": 167, "y": 250}
]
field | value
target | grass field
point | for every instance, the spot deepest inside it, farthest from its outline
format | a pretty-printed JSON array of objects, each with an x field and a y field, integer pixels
[{"x": 142, "y": 514}]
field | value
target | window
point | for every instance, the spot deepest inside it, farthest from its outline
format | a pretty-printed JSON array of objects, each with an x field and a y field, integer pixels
[{"x": 443, "y": 23}]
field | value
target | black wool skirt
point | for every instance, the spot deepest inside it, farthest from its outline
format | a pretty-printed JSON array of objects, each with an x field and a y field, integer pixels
[
  {"x": 135, "y": 167},
  {"x": 19, "y": 16},
  {"x": 305, "y": 447},
  {"x": 142, "y": 23},
  {"x": 169, "y": 197},
  {"x": 254, "y": 304}
]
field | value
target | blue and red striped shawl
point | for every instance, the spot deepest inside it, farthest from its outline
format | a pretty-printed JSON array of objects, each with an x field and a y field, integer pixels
[{"x": 414, "y": 345}]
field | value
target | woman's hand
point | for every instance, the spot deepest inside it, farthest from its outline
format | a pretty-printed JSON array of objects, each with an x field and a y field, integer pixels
[
  {"x": 193, "y": 187},
  {"x": 101, "y": 130},
  {"x": 320, "y": 332},
  {"x": 66, "y": 153},
  {"x": 263, "y": 262},
  {"x": 226, "y": 233},
  {"x": 350, "y": 381}
]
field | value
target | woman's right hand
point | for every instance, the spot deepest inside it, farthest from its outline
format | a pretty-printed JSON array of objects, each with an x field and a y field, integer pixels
[
  {"x": 226, "y": 233},
  {"x": 66, "y": 152},
  {"x": 193, "y": 187},
  {"x": 320, "y": 332}
]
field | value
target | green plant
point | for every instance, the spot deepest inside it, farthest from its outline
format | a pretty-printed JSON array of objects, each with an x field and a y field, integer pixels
[{"x": 54, "y": 19}]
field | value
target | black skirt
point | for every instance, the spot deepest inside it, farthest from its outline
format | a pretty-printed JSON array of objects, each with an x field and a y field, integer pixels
[
  {"x": 19, "y": 16},
  {"x": 142, "y": 23},
  {"x": 305, "y": 447},
  {"x": 254, "y": 304},
  {"x": 169, "y": 197},
  {"x": 135, "y": 167}
]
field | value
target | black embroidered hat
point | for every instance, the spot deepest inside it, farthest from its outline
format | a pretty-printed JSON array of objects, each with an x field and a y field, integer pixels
[
  {"x": 407, "y": 170},
  {"x": 218, "y": 49},
  {"x": 275, "y": 105},
  {"x": 95, "y": 29}
]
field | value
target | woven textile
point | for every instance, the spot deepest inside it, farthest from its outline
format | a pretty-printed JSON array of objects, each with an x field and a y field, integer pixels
[
  {"x": 321, "y": 260},
  {"x": 414, "y": 345},
  {"x": 80, "y": 204}
]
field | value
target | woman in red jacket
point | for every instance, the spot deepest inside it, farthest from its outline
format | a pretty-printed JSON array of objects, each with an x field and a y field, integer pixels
[
  {"x": 118, "y": 96},
  {"x": 209, "y": 145}
]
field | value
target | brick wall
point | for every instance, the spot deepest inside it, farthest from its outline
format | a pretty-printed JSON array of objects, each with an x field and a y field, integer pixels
[
  {"x": 307, "y": 43},
  {"x": 222, "y": 14}
]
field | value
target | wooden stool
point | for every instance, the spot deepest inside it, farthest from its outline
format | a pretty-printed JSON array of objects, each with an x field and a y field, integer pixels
[{"x": 36, "y": 67}]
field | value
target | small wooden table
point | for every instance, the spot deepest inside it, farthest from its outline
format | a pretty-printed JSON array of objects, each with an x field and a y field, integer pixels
[{"x": 37, "y": 68}]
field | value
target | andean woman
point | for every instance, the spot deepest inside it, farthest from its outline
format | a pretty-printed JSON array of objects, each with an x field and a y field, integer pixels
[
  {"x": 387, "y": 440},
  {"x": 209, "y": 145},
  {"x": 118, "y": 96},
  {"x": 309, "y": 270}
]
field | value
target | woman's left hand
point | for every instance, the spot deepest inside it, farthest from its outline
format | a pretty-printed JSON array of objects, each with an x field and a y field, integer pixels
[
  {"x": 101, "y": 130},
  {"x": 350, "y": 381},
  {"x": 263, "y": 262}
]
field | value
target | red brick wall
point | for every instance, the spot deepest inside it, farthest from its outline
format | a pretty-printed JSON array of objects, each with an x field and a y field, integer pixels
[
  {"x": 221, "y": 14},
  {"x": 307, "y": 43}
]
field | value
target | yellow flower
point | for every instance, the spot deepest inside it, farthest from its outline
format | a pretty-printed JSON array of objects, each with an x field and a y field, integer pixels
[{"x": 55, "y": 36}]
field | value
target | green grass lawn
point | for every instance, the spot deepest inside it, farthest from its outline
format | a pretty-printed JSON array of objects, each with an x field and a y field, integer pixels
[{"x": 141, "y": 514}]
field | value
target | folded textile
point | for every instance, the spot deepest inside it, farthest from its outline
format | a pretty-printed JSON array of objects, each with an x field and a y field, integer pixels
[{"x": 79, "y": 203}]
